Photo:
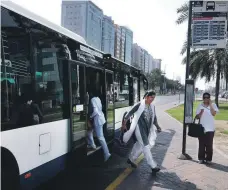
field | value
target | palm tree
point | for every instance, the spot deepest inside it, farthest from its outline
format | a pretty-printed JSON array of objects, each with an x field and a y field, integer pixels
[
  {"x": 209, "y": 63},
  {"x": 183, "y": 13}
]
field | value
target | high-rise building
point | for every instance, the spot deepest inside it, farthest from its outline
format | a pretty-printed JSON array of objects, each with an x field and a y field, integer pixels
[
  {"x": 128, "y": 44},
  {"x": 142, "y": 59},
  {"x": 122, "y": 43},
  {"x": 157, "y": 64},
  {"x": 136, "y": 53},
  {"x": 117, "y": 51},
  {"x": 108, "y": 35},
  {"x": 150, "y": 67},
  {"x": 146, "y": 61},
  {"x": 84, "y": 18}
]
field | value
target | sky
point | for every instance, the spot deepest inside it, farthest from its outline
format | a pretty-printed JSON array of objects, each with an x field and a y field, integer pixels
[{"x": 152, "y": 21}]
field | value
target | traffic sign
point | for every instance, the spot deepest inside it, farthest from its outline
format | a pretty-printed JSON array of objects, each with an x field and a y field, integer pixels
[
  {"x": 209, "y": 24},
  {"x": 210, "y": 6}
]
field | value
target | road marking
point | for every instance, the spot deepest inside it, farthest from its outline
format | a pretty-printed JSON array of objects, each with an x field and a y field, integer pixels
[{"x": 123, "y": 175}]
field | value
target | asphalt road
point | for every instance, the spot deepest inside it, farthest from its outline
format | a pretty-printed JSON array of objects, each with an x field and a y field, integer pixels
[
  {"x": 162, "y": 100},
  {"x": 93, "y": 173}
]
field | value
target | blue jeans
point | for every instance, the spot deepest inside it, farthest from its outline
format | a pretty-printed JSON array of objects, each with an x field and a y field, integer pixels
[{"x": 100, "y": 135}]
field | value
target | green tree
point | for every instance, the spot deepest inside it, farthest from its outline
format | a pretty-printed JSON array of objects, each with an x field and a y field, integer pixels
[
  {"x": 157, "y": 79},
  {"x": 209, "y": 64},
  {"x": 154, "y": 78}
]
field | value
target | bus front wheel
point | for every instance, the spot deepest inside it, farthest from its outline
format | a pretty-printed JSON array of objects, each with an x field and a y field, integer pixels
[{"x": 10, "y": 172}]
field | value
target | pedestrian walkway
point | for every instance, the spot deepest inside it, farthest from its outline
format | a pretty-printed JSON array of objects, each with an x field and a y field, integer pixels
[{"x": 177, "y": 174}]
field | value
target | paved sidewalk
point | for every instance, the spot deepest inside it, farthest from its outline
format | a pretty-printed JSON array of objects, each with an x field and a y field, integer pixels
[{"x": 177, "y": 174}]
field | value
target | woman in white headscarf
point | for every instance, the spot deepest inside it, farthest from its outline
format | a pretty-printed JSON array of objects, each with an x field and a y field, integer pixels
[
  {"x": 145, "y": 132},
  {"x": 98, "y": 121}
]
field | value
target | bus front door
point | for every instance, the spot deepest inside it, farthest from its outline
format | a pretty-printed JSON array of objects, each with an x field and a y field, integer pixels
[
  {"x": 102, "y": 82},
  {"x": 109, "y": 128},
  {"x": 78, "y": 106}
]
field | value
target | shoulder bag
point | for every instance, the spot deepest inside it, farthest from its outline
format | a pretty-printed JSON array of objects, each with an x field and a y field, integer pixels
[{"x": 195, "y": 129}]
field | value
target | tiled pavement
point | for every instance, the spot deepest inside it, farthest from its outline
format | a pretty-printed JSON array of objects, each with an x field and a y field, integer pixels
[{"x": 177, "y": 174}]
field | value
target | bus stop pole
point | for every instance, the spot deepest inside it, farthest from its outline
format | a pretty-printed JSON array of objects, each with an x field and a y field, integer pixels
[{"x": 184, "y": 155}]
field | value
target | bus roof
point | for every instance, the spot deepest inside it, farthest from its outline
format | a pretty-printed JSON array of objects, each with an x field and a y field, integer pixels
[
  {"x": 26, "y": 13},
  {"x": 22, "y": 11}
]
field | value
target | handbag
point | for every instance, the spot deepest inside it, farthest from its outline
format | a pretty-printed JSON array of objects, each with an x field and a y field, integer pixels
[
  {"x": 120, "y": 148},
  {"x": 195, "y": 129}
]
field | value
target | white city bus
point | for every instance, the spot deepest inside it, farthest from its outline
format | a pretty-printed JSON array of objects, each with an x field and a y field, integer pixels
[{"x": 56, "y": 69}]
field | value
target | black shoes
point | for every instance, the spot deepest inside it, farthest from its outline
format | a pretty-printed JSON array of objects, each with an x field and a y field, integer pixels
[
  {"x": 133, "y": 165},
  {"x": 155, "y": 170},
  {"x": 208, "y": 162},
  {"x": 205, "y": 162}
]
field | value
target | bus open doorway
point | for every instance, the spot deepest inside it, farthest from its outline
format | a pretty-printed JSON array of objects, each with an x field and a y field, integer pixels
[{"x": 101, "y": 81}]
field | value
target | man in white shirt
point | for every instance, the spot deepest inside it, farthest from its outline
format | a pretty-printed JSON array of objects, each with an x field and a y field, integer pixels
[{"x": 206, "y": 112}]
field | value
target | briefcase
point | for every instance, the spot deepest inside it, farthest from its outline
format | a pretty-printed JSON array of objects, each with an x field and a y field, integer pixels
[{"x": 195, "y": 129}]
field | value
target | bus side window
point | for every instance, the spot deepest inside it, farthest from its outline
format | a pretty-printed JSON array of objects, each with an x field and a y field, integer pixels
[
  {"x": 121, "y": 90},
  {"x": 143, "y": 86},
  {"x": 16, "y": 75},
  {"x": 51, "y": 75},
  {"x": 135, "y": 91}
]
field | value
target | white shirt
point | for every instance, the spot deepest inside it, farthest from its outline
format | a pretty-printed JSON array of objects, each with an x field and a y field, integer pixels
[
  {"x": 207, "y": 119},
  {"x": 97, "y": 114}
]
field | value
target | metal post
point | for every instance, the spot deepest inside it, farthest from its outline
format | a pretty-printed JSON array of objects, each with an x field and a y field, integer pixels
[
  {"x": 184, "y": 155},
  {"x": 179, "y": 98},
  {"x": 226, "y": 69}
]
